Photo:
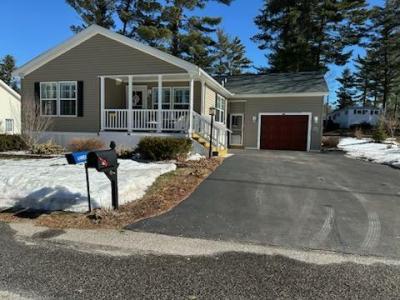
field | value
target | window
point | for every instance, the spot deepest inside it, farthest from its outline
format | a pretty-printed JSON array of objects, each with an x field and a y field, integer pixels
[
  {"x": 9, "y": 125},
  {"x": 377, "y": 112},
  {"x": 181, "y": 98},
  {"x": 359, "y": 112},
  {"x": 355, "y": 111},
  {"x": 58, "y": 98},
  {"x": 166, "y": 98},
  {"x": 220, "y": 109},
  {"x": 48, "y": 98}
]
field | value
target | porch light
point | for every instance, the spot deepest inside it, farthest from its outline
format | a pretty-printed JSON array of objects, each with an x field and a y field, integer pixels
[{"x": 211, "y": 111}]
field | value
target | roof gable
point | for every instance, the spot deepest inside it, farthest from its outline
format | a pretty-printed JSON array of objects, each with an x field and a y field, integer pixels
[
  {"x": 8, "y": 89},
  {"x": 90, "y": 32}
]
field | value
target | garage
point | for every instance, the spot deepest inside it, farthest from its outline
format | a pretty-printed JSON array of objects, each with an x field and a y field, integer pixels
[{"x": 284, "y": 131}]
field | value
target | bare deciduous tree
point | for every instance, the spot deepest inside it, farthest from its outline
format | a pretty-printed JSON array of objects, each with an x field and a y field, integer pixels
[
  {"x": 33, "y": 125},
  {"x": 391, "y": 124}
]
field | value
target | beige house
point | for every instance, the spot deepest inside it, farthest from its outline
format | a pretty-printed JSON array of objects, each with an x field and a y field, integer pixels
[
  {"x": 100, "y": 83},
  {"x": 10, "y": 110}
]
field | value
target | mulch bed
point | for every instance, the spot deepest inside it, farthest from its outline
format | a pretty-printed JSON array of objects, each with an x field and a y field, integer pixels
[{"x": 167, "y": 192}]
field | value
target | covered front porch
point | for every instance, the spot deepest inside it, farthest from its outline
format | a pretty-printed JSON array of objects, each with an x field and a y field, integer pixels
[{"x": 148, "y": 103}]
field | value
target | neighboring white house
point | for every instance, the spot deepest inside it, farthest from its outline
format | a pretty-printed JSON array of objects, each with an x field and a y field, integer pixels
[
  {"x": 355, "y": 115},
  {"x": 10, "y": 110}
]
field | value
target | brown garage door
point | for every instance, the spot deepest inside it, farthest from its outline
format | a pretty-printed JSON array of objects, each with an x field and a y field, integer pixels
[{"x": 284, "y": 132}]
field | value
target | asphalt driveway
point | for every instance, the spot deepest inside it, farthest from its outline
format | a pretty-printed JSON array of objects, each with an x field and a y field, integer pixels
[{"x": 293, "y": 199}]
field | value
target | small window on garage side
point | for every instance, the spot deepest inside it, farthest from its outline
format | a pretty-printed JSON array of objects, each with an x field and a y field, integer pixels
[{"x": 9, "y": 124}]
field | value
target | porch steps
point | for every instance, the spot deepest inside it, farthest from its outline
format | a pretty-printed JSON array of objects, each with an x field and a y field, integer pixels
[{"x": 220, "y": 151}]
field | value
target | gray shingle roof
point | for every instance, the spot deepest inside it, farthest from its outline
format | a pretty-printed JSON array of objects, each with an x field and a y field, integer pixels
[{"x": 303, "y": 82}]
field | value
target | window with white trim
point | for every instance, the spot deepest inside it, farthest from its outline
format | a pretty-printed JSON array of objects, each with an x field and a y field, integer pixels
[
  {"x": 58, "y": 98},
  {"x": 181, "y": 98},
  {"x": 9, "y": 124},
  {"x": 220, "y": 109},
  {"x": 166, "y": 98}
]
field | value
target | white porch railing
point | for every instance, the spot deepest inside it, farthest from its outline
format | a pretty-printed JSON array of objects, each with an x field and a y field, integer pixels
[
  {"x": 202, "y": 126},
  {"x": 146, "y": 120}
]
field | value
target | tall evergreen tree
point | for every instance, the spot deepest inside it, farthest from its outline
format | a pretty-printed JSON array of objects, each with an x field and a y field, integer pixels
[
  {"x": 98, "y": 12},
  {"x": 190, "y": 35},
  {"x": 308, "y": 35},
  {"x": 7, "y": 66},
  {"x": 230, "y": 55},
  {"x": 383, "y": 48},
  {"x": 141, "y": 20},
  {"x": 346, "y": 92}
]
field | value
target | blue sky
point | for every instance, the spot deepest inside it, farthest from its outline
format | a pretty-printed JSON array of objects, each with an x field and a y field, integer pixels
[{"x": 31, "y": 27}]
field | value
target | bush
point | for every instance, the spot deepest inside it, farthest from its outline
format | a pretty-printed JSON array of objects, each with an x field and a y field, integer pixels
[
  {"x": 157, "y": 148},
  {"x": 85, "y": 145},
  {"x": 330, "y": 141},
  {"x": 49, "y": 148},
  {"x": 12, "y": 143},
  {"x": 125, "y": 153},
  {"x": 380, "y": 134},
  {"x": 358, "y": 133}
]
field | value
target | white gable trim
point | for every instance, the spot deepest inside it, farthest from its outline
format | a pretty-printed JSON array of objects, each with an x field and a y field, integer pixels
[
  {"x": 88, "y": 33},
  {"x": 279, "y": 95},
  {"x": 10, "y": 90}
]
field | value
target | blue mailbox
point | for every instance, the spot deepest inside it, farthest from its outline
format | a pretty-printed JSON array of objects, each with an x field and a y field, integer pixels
[{"x": 75, "y": 158}]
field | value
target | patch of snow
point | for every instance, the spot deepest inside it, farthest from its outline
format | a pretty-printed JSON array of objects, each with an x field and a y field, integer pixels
[
  {"x": 195, "y": 157},
  {"x": 384, "y": 153},
  {"x": 51, "y": 184}
]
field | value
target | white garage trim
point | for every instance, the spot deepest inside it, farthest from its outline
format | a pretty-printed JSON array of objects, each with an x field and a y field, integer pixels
[{"x": 309, "y": 114}]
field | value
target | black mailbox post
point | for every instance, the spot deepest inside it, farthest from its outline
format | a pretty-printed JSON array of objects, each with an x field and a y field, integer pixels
[{"x": 104, "y": 161}]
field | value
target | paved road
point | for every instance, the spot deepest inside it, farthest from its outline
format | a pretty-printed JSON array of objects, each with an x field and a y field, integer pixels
[
  {"x": 41, "y": 268},
  {"x": 293, "y": 199}
]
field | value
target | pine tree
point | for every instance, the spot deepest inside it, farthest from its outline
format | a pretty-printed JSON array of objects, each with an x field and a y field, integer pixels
[
  {"x": 346, "y": 92},
  {"x": 98, "y": 12},
  {"x": 230, "y": 55},
  {"x": 141, "y": 20},
  {"x": 190, "y": 35},
  {"x": 308, "y": 35},
  {"x": 383, "y": 48},
  {"x": 7, "y": 66}
]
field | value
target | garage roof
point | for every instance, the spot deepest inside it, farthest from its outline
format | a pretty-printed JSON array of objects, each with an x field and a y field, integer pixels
[{"x": 276, "y": 83}]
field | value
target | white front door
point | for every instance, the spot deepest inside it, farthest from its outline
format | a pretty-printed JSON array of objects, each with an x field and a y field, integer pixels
[
  {"x": 139, "y": 96},
  {"x": 236, "y": 126}
]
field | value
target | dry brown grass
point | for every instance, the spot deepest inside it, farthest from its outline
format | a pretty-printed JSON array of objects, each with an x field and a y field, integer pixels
[
  {"x": 85, "y": 144},
  {"x": 358, "y": 133},
  {"x": 167, "y": 191},
  {"x": 330, "y": 141}
]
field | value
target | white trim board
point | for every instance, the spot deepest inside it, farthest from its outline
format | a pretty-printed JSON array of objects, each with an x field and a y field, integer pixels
[
  {"x": 10, "y": 90},
  {"x": 278, "y": 95},
  {"x": 309, "y": 114}
]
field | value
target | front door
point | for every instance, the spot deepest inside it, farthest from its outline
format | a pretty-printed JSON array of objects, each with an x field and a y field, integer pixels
[
  {"x": 139, "y": 97},
  {"x": 236, "y": 126}
]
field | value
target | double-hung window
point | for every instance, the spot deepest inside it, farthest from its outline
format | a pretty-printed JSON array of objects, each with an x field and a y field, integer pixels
[
  {"x": 58, "y": 98},
  {"x": 220, "y": 109},
  {"x": 181, "y": 98},
  {"x": 48, "y": 98},
  {"x": 166, "y": 98},
  {"x": 9, "y": 125}
]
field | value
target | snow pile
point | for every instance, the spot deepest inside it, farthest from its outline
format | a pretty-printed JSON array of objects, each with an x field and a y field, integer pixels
[
  {"x": 388, "y": 154},
  {"x": 195, "y": 157},
  {"x": 51, "y": 184}
]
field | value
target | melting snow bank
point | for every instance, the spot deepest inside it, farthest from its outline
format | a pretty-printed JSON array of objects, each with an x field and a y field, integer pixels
[
  {"x": 51, "y": 184},
  {"x": 388, "y": 153}
]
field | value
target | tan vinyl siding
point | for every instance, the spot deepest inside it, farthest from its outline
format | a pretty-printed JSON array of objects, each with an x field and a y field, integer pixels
[
  {"x": 97, "y": 56},
  {"x": 252, "y": 108},
  {"x": 209, "y": 100}
]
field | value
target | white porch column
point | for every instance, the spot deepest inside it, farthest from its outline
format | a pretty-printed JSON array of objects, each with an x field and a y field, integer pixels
[
  {"x": 102, "y": 102},
  {"x": 159, "y": 110},
  {"x": 130, "y": 121},
  {"x": 190, "y": 131},
  {"x": 203, "y": 98}
]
